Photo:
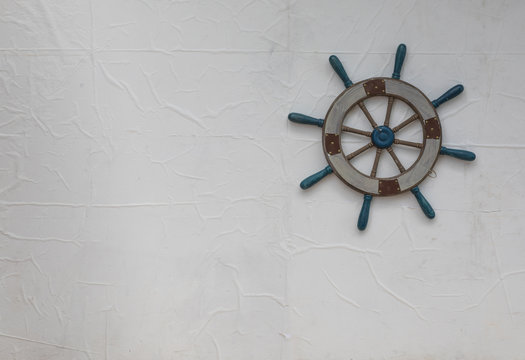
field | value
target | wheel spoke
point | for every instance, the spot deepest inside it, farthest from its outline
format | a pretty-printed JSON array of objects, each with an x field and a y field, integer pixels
[
  {"x": 359, "y": 151},
  {"x": 356, "y": 131},
  {"x": 376, "y": 162},
  {"x": 408, "y": 143},
  {"x": 389, "y": 110},
  {"x": 367, "y": 114},
  {"x": 396, "y": 159},
  {"x": 405, "y": 123}
]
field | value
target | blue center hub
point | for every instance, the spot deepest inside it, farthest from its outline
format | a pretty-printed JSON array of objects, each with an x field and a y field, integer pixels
[{"x": 382, "y": 137}]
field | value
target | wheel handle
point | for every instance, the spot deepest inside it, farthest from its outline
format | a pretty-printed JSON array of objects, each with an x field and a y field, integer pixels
[
  {"x": 423, "y": 203},
  {"x": 303, "y": 119},
  {"x": 400, "y": 57},
  {"x": 363, "y": 215},
  {"x": 315, "y": 178},
  {"x": 340, "y": 70},
  {"x": 448, "y": 95},
  {"x": 458, "y": 154}
]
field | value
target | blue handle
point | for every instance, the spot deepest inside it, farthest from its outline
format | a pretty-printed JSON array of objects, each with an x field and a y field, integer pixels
[
  {"x": 303, "y": 119},
  {"x": 400, "y": 57},
  {"x": 340, "y": 70},
  {"x": 450, "y": 94},
  {"x": 425, "y": 205},
  {"x": 315, "y": 178},
  {"x": 363, "y": 215},
  {"x": 458, "y": 154}
]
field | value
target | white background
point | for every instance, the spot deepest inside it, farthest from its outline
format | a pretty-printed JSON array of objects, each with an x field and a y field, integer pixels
[{"x": 150, "y": 207}]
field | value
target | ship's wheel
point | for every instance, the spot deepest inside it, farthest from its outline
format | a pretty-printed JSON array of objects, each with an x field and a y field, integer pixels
[{"x": 381, "y": 136}]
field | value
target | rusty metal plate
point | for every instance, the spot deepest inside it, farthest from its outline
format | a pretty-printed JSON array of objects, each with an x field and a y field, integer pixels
[
  {"x": 389, "y": 187},
  {"x": 432, "y": 128},
  {"x": 375, "y": 87},
  {"x": 332, "y": 144}
]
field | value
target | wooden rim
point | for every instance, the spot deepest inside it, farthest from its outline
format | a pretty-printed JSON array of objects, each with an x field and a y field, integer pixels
[{"x": 353, "y": 97}]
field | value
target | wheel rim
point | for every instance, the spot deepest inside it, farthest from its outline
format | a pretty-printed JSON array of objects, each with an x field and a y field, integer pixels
[{"x": 382, "y": 136}]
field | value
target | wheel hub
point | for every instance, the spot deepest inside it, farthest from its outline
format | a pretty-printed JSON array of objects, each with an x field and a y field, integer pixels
[{"x": 382, "y": 137}]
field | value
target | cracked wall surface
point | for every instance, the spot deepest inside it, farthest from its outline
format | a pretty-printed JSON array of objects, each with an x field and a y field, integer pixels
[{"x": 149, "y": 198}]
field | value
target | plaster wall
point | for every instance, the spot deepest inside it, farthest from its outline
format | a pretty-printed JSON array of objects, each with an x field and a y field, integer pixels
[{"x": 149, "y": 198}]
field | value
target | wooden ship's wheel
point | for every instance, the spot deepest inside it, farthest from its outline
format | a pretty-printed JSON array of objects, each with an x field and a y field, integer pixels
[{"x": 382, "y": 136}]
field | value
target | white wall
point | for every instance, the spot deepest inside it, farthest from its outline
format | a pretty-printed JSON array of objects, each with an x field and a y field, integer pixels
[{"x": 150, "y": 206}]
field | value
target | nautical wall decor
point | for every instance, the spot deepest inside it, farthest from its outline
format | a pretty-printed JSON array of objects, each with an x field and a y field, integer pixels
[{"x": 382, "y": 136}]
